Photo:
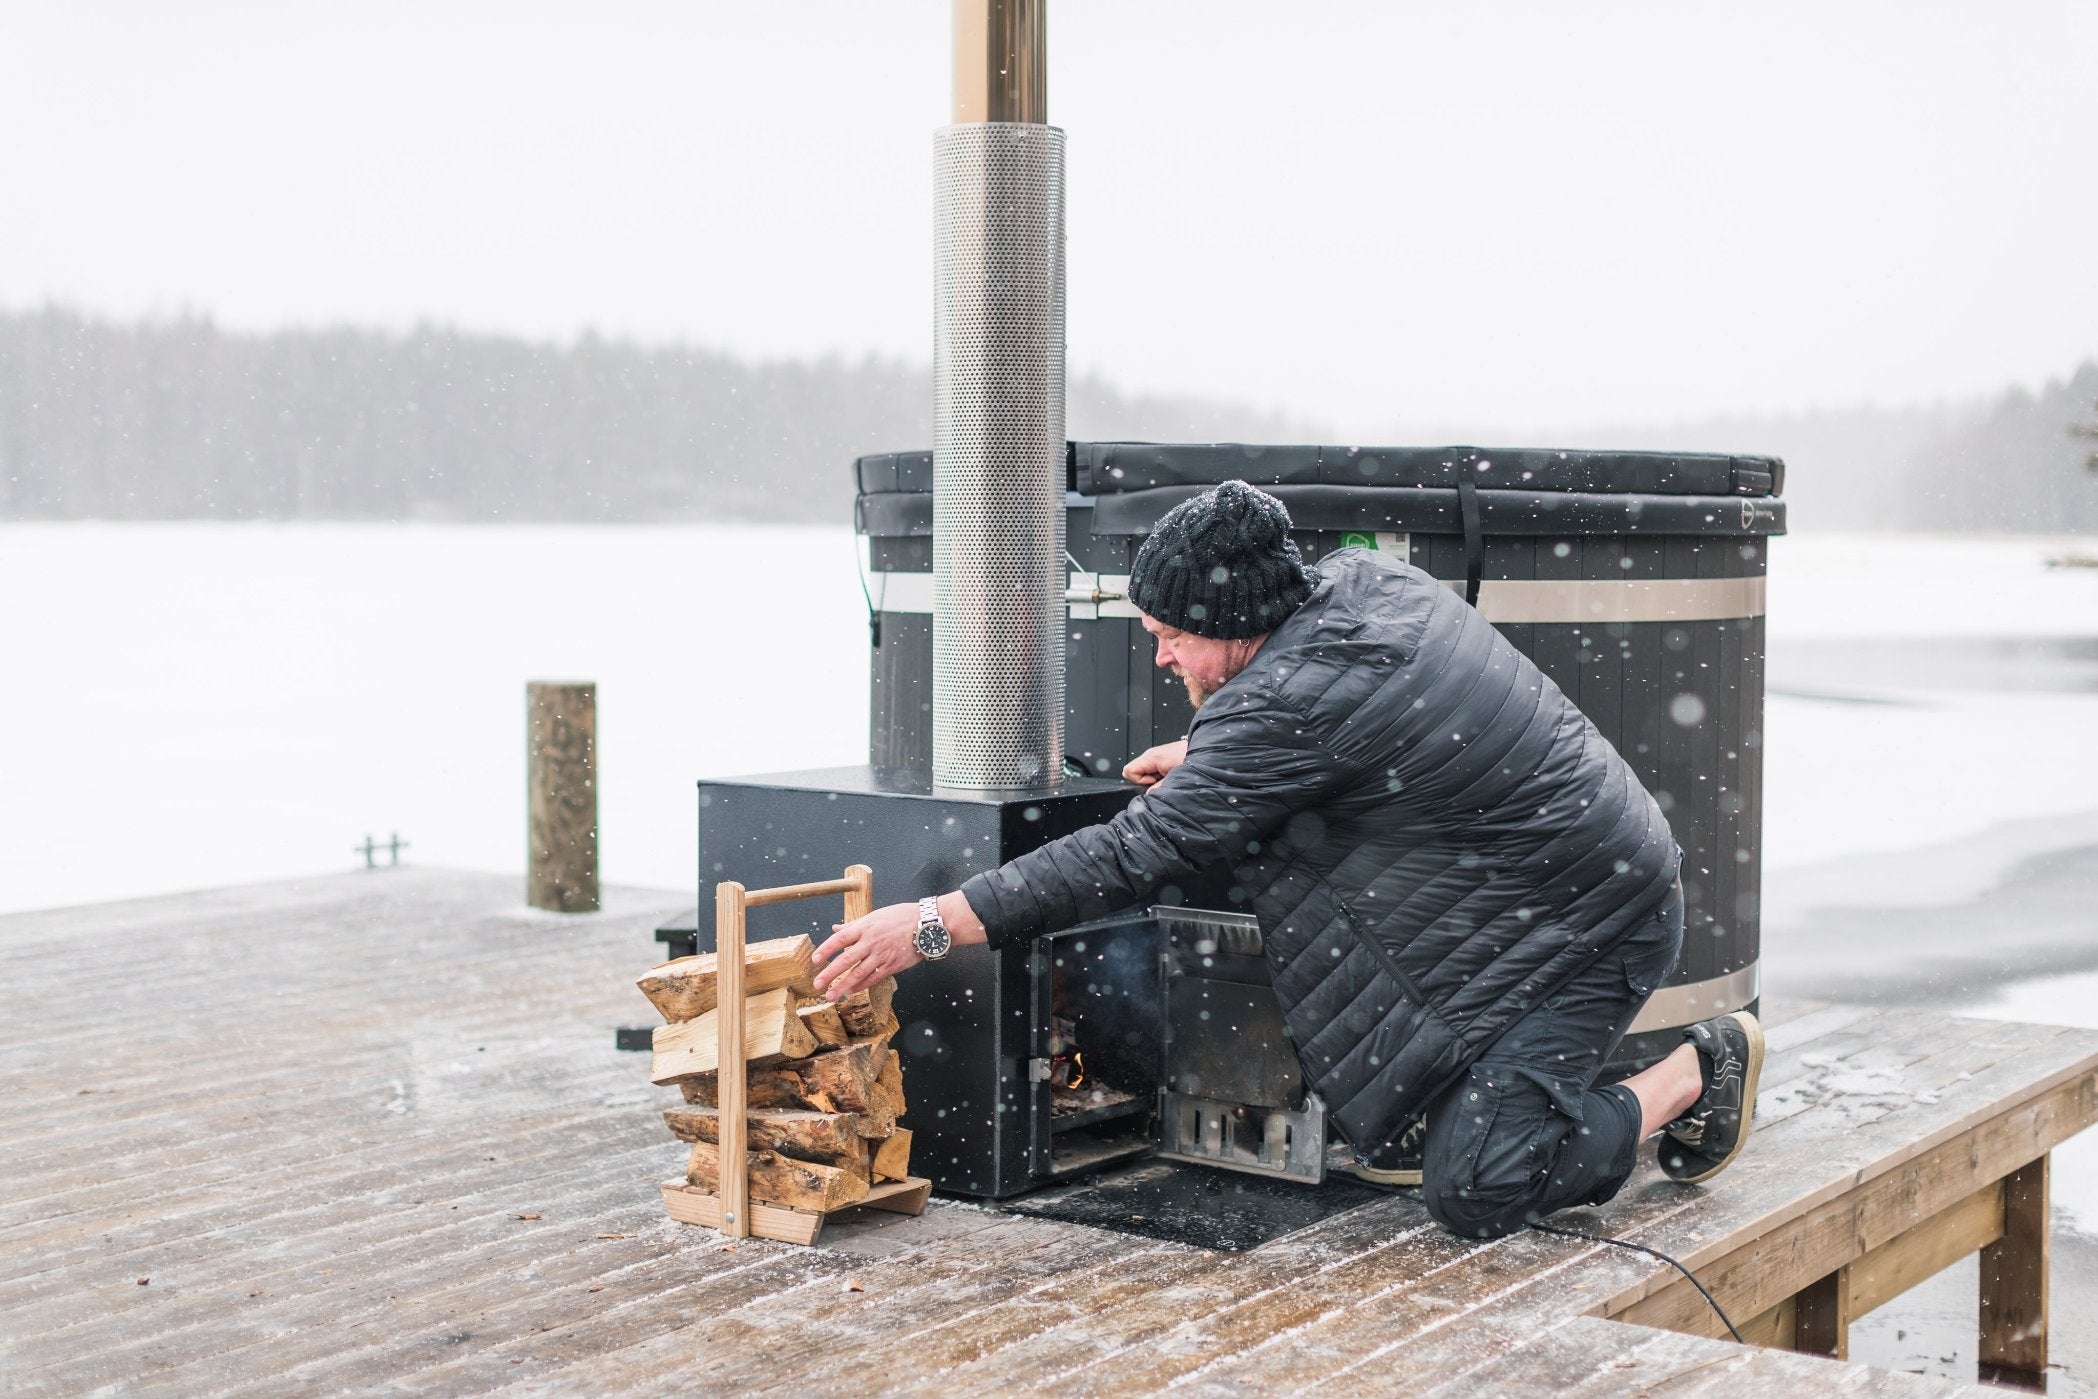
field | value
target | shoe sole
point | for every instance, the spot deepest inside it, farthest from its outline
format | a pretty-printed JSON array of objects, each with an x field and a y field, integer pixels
[
  {"x": 1749, "y": 1086},
  {"x": 1388, "y": 1179}
]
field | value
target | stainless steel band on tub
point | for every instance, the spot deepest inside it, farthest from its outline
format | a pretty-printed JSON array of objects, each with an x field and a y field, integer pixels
[
  {"x": 1513, "y": 601},
  {"x": 1673, "y": 1007},
  {"x": 1555, "y": 600}
]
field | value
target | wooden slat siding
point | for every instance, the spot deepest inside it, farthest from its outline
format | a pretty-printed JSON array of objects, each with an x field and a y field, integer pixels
[
  {"x": 1650, "y": 1210},
  {"x": 1761, "y": 1188},
  {"x": 1204, "y": 1338},
  {"x": 305, "y": 1215},
  {"x": 1219, "y": 1280},
  {"x": 547, "y": 1329},
  {"x": 1768, "y": 1159},
  {"x": 284, "y": 1243},
  {"x": 896, "y": 1288},
  {"x": 1788, "y": 1254},
  {"x": 1925, "y": 1250},
  {"x": 1514, "y": 1286},
  {"x": 1765, "y": 1188},
  {"x": 291, "y": 1208},
  {"x": 1276, "y": 1285},
  {"x": 1798, "y": 1030},
  {"x": 196, "y": 954},
  {"x": 1903, "y": 1048},
  {"x": 1041, "y": 1330},
  {"x": 1396, "y": 1321},
  {"x": 398, "y": 1178},
  {"x": 1585, "y": 1358},
  {"x": 508, "y": 1144},
  {"x": 552, "y": 1329},
  {"x": 1661, "y": 1362},
  {"x": 816, "y": 1265},
  {"x": 1104, "y": 1275},
  {"x": 325, "y": 1357},
  {"x": 219, "y": 1183},
  {"x": 803, "y": 1344},
  {"x": 890, "y": 1334},
  {"x": 486, "y": 1236},
  {"x": 1149, "y": 1305},
  {"x": 201, "y": 1170},
  {"x": 421, "y": 1267}
]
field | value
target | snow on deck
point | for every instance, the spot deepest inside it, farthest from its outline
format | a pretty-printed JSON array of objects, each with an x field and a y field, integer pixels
[{"x": 370, "y": 1130}]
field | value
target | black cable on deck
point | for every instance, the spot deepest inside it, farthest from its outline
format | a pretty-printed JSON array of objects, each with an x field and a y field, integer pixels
[{"x": 1652, "y": 1253}]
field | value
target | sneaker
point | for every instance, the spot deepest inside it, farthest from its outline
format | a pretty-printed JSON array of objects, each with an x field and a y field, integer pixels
[
  {"x": 1397, "y": 1165},
  {"x": 1703, "y": 1141}
]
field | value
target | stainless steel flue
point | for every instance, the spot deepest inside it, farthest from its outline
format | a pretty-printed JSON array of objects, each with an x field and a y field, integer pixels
[{"x": 998, "y": 447}]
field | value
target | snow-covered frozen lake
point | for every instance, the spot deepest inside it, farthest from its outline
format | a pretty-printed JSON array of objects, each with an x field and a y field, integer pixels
[{"x": 198, "y": 704}]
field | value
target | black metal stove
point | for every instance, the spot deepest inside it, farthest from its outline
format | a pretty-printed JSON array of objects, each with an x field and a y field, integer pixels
[{"x": 1152, "y": 1031}]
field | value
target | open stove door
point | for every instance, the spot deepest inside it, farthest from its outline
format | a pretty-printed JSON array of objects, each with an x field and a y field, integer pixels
[{"x": 1234, "y": 1094}]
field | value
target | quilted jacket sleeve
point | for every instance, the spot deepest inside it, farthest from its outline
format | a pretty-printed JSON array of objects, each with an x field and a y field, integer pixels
[{"x": 1250, "y": 766}]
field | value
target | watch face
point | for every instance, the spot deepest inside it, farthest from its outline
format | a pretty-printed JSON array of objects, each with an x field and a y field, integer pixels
[{"x": 933, "y": 940}]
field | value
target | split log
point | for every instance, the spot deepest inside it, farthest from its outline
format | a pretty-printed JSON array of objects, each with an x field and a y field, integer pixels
[
  {"x": 842, "y": 1080},
  {"x": 891, "y": 1081},
  {"x": 867, "y": 1011},
  {"x": 781, "y": 1180},
  {"x": 771, "y": 1031},
  {"x": 831, "y": 1138},
  {"x": 892, "y": 1155},
  {"x": 824, "y": 1022},
  {"x": 685, "y": 989}
]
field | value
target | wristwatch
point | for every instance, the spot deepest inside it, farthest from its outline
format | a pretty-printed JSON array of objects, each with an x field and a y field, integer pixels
[{"x": 932, "y": 939}]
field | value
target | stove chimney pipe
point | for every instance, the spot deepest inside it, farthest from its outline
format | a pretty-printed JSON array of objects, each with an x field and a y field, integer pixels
[{"x": 998, "y": 442}]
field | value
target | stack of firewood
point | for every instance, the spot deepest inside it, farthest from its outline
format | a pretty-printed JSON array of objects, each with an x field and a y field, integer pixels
[{"x": 825, "y": 1088}]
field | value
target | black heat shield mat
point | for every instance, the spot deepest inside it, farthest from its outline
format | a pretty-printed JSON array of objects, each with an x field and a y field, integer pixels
[{"x": 1198, "y": 1205}]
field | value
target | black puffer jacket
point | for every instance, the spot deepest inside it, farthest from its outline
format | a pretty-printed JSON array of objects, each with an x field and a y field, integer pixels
[{"x": 1432, "y": 837}]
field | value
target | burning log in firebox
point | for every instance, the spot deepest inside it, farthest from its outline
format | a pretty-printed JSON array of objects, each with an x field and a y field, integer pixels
[
  {"x": 1074, "y": 1093},
  {"x": 824, "y": 1087}
]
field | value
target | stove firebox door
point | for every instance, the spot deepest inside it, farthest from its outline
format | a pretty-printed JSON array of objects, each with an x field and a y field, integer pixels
[{"x": 1234, "y": 1093}]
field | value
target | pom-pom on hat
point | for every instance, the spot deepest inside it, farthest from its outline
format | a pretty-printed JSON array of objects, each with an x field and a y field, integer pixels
[{"x": 1222, "y": 565}]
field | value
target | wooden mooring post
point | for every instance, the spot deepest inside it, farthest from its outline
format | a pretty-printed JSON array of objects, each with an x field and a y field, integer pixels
[{"x": 561, "y": 781}]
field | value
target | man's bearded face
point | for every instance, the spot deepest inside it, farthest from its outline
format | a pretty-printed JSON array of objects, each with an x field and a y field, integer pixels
[
  {"x": 1203, "y": 663},
  {"x": 1197, "y": 693}
]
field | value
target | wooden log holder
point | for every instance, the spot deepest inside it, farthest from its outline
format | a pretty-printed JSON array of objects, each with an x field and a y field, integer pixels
[{"x": 731, "y": 1210}]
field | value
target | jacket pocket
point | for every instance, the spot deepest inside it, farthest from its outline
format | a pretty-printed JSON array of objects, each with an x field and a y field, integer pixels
[
  {"x": 1651, "y": 953},
  {"x": 1381, "y": 953}
]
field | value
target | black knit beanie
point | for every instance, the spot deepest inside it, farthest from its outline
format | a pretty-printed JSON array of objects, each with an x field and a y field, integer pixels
[{"x": 1222, "y": 565}]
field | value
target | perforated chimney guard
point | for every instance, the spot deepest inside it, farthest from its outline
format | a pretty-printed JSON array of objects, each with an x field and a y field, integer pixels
[{"x": 998, "y": 457}]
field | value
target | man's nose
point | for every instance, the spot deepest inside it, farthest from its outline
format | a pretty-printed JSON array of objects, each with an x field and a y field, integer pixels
[{"x": 1164, "y": 659}]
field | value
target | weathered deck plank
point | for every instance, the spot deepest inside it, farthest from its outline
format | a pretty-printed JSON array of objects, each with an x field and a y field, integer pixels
[{"x": 312, "y": 1112}]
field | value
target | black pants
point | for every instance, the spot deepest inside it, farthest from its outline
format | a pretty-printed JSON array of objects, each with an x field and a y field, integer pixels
[{"x": 1526, "y": 1131}]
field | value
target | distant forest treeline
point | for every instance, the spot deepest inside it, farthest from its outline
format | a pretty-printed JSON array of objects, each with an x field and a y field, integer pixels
[{"x": 179, "y": 419}]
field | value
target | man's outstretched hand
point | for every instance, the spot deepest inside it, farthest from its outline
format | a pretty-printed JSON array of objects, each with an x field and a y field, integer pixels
[
  {"x": 862, "y": 952},
  {"x": 1150, "y": 767}
]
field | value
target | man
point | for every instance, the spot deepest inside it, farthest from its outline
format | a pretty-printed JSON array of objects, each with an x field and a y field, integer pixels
[{"x": 1465, "y": 894}]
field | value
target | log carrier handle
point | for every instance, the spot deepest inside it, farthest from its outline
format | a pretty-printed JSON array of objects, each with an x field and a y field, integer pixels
[{"x": 731, "y": 901}]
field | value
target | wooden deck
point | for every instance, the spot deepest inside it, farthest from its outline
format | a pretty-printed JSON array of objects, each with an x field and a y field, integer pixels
[{"x": 369, "y": 1132}]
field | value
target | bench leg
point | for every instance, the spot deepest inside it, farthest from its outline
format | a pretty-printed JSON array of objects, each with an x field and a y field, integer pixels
[
  {"x": 1823, "y": 1327},
  {"x": 2014, "y": 1285}
]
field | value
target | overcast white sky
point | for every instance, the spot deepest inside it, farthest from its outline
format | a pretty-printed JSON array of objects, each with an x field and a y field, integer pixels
[{"x": 1373, "y": 213}]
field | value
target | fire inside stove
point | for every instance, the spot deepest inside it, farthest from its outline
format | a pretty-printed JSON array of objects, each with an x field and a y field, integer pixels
[
  {"x": 1074, "y": 1096},
  {"x": 1106, "y": 1048}
]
